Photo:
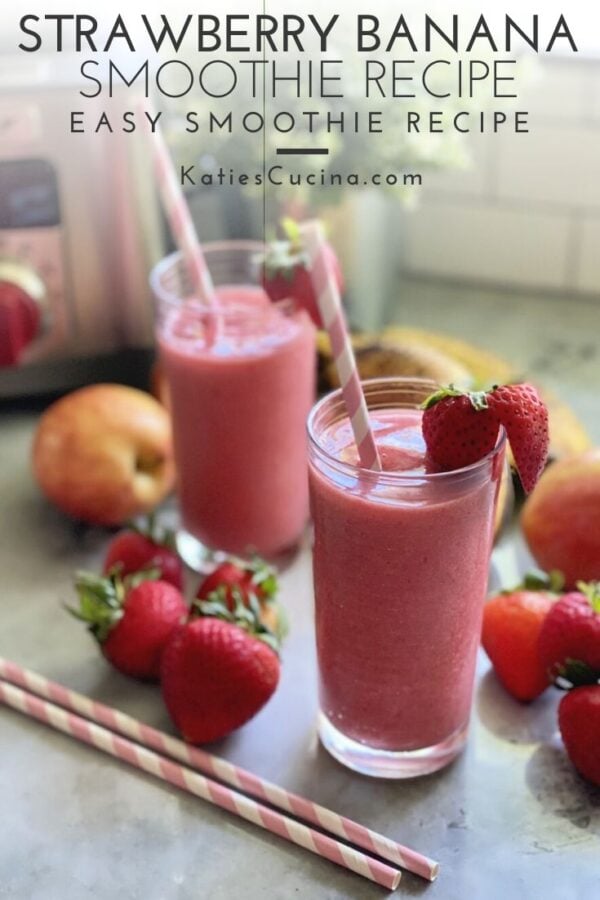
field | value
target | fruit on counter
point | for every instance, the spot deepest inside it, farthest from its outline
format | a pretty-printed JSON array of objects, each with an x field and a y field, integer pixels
[
  {"x": 459, "y": 428},
  {"x": 147, "y": 546},
  {"x": 579, "y": 723},
  {"x": 483, "y": 367},
  {"x": 569, "y": 641},
  {"x": 131, "y": 618},
  {"x": 561, "y": 518},
  {"x": 380, "y": 359},
  {"x": 286, "y": 273},
  {"x": 512, "y": 622},
  {"x": 103, "y": 453},
  {"x": 252, "y": 583},
  {"x": 218, "y": 670},
  {"x": 415, "y": 353}
]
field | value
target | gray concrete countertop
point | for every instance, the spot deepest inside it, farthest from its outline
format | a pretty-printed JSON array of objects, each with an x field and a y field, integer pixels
[{"x": 509, "y": 819}]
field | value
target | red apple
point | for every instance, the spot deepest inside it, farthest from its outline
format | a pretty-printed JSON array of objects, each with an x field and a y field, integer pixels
[
  {"x": 104, "y": 453},
  {"x": 561, "y": 518}
]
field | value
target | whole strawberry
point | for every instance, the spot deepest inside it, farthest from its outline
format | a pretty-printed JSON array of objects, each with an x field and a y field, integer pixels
[
  {"x": 131, "y": 618},
  {"x": 217, "y": 672},
  {"x": 459, "y": 428},
  {"x": 579, "y": 723},
  {"x": 237, "y": 577},
  {"x": 524, "y": 415},
  {"x": 569, "y": 640},
  {"x": 145, "y": 547},
  {"x": 286, "y": 273},
  {"x": 253, "y": 583},
  {"x": 511, "y": 626}
]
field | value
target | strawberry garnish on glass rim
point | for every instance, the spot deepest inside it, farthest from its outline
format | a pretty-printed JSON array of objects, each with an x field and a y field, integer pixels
[
  {"x": 461, "y": 427},
  {"x": 286, "y": 273},
  {"x": 524, "y": 415}
]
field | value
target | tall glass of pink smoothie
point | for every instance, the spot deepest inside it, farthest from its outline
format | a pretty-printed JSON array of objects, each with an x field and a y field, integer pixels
[
  {"x": 241, "y": 383},
  {"x": 400, "y": 572}
]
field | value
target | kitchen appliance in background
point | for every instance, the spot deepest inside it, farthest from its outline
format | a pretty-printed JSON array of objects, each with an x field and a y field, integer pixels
[{"x": 79, "y": 230}]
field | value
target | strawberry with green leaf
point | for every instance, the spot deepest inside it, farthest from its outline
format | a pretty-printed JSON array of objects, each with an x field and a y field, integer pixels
[
  {"x": 512, "y": 621},
  {"x": 569, "y": 641},
  {"x": 146, "y": 546},
  {"x": 218, "y": 669},
  {"x": 459, "y": 427},
  {"x": 130, "y": 617},
  {"x": 252, "y": 583},
  {"x": 286, "y": 273}
]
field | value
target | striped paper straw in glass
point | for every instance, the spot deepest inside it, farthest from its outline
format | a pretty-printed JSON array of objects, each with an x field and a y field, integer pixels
[
  {"x": 334, "y": 322},
  {"x": 177, "y": 211}
]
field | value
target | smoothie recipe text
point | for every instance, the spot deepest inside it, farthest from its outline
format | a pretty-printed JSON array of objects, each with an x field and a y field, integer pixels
[{"x": 265, "y": 72}]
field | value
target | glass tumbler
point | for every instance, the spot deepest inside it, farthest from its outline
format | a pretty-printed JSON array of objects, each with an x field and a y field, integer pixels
[
  {"x": 401, "y": 564},
  {"x": 241, "y": 381}
]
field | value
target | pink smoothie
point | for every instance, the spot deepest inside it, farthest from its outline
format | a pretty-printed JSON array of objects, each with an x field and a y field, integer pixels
[
  {"x": 239, "y": 409},
  {"x": 400, "y": 570}
]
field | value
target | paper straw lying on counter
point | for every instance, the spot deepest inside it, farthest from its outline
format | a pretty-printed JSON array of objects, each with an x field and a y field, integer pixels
[
  {"x": 334, "y": 322},
  {"x": 233, "y": 775},
  {"x": 177, "y": 212},
  {"x": 194, "y": 783}
]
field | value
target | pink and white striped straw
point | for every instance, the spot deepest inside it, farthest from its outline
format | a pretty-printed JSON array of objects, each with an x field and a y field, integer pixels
[
  {"x": 194, "y": 783},
  {"x": 233, "y": 775},
  {"x": 177, "y": 212},
  {"x": 334, "y": 321}
]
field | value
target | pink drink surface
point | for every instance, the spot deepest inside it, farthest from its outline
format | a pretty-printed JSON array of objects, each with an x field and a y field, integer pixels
[
  {"x": 400, "y": 576},
  {"x": 239, "y": 408}
]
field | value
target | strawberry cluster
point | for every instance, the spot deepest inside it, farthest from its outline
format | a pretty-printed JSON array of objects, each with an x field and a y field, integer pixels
[
  {"x": 217, "y": 659},
  {"x": 536, "y": 636}
]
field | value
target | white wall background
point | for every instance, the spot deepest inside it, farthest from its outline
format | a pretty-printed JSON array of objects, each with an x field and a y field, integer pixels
[{"x": 527, "y": 213}]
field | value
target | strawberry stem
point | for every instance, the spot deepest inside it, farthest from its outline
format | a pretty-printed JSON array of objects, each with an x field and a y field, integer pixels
[
  {"x": 242, "y": 615},
  {"x": 479, "y": 399},
  {"x": 101, "y": 598},
  {"x": 575, "y": 673},
  {"x": 150, "y": 528},
  {"x": 553, "y": 582},
  {"x": 591, "y": 590},
  {"x": 291, "y": 229}
]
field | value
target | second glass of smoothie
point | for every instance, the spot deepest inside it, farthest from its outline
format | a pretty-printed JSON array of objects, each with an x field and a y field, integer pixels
[
  {"x": 241, "y": 380},
  {"x": 400, "y": 570}
]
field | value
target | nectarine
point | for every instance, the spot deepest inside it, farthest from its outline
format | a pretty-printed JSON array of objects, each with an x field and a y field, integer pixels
[
  {"x": 561, "y": 518},
  {"x": 104, "y": 453}
]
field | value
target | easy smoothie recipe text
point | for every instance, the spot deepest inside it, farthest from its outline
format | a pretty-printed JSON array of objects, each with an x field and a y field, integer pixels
[{"x": 467, "y": 62}]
